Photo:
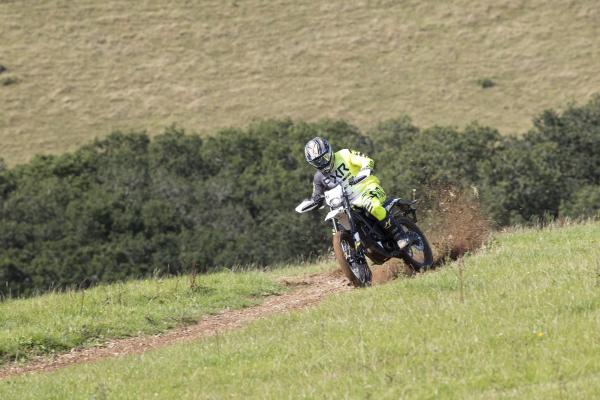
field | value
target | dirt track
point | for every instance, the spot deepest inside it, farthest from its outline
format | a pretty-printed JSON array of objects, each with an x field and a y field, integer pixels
[{"x": 307, "y": 290}]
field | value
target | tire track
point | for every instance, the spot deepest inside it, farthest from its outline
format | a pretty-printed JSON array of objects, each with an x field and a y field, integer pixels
[{"x": 307, "y": 291}]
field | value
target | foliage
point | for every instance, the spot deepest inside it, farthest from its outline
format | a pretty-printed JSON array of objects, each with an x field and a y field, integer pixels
[
  {"x": 535, "y": 176},
  {"x": 127, "y": 206},
  {"x": 585, "y": 202}
]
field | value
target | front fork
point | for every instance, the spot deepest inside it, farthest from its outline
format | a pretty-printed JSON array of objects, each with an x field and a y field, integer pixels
[
  {"x": 358, "y": 246},
  {"x": 358, "y": 259}
]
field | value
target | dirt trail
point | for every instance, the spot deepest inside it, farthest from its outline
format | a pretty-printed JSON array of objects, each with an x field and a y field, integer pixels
[{"x": 307, "y": 290}]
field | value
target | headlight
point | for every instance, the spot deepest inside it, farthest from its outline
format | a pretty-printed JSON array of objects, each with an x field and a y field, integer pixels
[{"x": 335, "y": 203}]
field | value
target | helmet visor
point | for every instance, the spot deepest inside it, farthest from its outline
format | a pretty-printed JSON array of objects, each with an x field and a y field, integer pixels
[{"x": 322, "y": 161}]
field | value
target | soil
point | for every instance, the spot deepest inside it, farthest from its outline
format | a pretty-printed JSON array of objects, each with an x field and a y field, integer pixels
[
  {"x": 455, "y": 223},
  {"x": 391, "y": 269}
]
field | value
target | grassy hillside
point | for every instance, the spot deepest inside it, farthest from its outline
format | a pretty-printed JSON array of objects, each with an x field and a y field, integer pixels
[
  {"x": 61, "y": 321},
  {"x": 58, "y": 322},
  {"x": 527, "y": 325},
  {"x": 76, "y": 70}
]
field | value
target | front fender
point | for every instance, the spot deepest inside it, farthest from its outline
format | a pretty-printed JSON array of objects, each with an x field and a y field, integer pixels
[{"x": 333, "y": 213}]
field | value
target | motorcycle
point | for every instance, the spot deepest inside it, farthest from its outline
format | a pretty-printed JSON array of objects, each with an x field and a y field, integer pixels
[{"x": 358, "y": 236}]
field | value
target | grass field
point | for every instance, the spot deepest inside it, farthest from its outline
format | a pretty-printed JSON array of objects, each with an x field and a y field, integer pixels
[
  {"x": 79, "y": 69},
  {"x": 523, "y": 322}
]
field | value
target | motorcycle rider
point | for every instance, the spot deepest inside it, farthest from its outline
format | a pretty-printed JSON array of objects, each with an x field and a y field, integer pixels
[{"x": 352, "y": 169}]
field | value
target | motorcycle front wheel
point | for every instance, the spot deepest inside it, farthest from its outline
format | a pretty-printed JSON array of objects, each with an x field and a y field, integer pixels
[{"x": 358, "y": 273}]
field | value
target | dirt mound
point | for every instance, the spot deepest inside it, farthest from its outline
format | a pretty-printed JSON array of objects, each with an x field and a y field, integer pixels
[
  {"x": 390, "y": 270},
  {"x": 313, "y": 279},
  {"x": 455, "y": 223}
]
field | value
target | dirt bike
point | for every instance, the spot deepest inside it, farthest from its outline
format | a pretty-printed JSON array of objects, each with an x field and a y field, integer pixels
[{"x": 357, "y": 235}]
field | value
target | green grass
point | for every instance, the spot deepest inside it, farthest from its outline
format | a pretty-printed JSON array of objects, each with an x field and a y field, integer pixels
[
  {"x": 58, "y": 322},
  {"x": 529, "y": 327},
  {"x": 83, "y": 68}
]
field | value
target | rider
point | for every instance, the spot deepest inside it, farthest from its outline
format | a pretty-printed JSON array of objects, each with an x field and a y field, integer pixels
[{"x": 353, "y": 170}]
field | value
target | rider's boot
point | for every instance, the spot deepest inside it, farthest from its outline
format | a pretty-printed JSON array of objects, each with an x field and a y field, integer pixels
[{"x": 392, "y": 229}]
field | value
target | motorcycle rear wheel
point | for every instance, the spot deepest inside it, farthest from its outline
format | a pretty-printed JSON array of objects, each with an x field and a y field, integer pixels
[
  {"x": 358, "y": 273},
  {"x": 418, "y": 254}
]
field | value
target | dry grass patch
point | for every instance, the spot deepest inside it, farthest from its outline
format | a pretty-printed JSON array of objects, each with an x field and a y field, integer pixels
[{"x": 85, "y": 68}]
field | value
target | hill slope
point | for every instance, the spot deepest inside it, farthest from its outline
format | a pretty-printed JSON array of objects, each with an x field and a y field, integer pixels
[
  {"x": 85, "y": 68},
  {"x": 525, "y": 326}
]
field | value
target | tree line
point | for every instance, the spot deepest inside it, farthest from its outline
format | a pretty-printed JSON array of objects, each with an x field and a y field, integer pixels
[{"x": 127, "y": 206}]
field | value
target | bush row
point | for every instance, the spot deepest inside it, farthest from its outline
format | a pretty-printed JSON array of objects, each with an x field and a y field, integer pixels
[{"x": 127, "y": 206}]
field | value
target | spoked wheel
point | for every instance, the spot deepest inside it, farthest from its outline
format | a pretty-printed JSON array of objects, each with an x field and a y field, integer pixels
[
  {"x": 418, "y": 253},
  {"x": 357, "y": 272}
]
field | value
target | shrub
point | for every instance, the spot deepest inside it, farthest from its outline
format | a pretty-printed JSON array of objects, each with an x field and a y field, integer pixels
[
  {"x": 583, "y": 203},
  {"x": 9, "y": 81},
  {"x": 486, "y": 83},
  {"x": 126, "y": 206}
]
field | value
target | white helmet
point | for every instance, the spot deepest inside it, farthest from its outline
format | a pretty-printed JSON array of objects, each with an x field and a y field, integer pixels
[{"x": 319, "y": 154}]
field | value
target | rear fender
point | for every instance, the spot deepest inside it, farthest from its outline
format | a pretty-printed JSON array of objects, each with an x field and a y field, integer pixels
[
  {"x": 403, "y": 204},
  {"x": 406, "y": 208}
]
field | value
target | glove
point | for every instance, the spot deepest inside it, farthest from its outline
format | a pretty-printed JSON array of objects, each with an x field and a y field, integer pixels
[
  {"x": 364, "y": 173},
  {"x": 320, "y": 201}
]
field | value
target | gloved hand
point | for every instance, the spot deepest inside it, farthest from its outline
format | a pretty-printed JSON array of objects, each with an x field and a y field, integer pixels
[{"x": 364, "y": 173}]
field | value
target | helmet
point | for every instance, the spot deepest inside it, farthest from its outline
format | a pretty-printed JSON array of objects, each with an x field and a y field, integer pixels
[{"x": 319, "y": 154}]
